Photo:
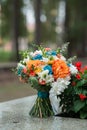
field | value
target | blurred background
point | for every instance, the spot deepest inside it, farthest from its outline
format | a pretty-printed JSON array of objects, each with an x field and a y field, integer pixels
[{"x": 48, "y": 22}]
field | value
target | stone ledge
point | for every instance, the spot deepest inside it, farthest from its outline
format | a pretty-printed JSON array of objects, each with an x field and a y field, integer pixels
[{"x": 14, "y": 116}]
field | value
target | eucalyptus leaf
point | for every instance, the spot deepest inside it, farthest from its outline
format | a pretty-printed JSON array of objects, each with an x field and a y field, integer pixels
[
  {"x": 33, "y": 81},
  {"x": 81, "y": 83},
  {"x": 83, "y": 114},
  {"x": 86, "y": 102},
  {"x": 78, "y": 105},
  {"x": 85, "y": 75}
]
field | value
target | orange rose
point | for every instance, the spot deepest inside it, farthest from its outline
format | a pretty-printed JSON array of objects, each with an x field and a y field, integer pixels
[
  {"x": 50, "y": 62},
  {"x": 37, "y": 70},
  {"x": 60, "y": 69},
  {"x": 34, "y": 63}
]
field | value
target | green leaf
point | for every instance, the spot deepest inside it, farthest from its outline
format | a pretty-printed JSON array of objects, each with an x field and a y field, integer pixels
[
  {"x": 83, "y": 114},
  {"x": 85, "y": 72},
  {"x": 33, "y": 81},
  {"x": 80, "y": 83},
  {"x": 78, "y": 90},
  {"x": 78, "y": 105},
  {"x": 86, "y": 101},
  {"x": 84, "y": 92},
  {"x": 85, "y": 75}
]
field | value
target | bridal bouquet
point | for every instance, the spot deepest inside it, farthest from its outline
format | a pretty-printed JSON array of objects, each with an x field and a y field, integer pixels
[{"x": 49, "y": 72}]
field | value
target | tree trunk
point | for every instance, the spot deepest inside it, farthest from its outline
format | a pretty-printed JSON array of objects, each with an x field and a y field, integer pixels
[
  {"x": 84, "y": 40},
  {"x": 16, "y": 11},
  {"x": 67, "y": 26},
  {"x": 37, "y": 21}
]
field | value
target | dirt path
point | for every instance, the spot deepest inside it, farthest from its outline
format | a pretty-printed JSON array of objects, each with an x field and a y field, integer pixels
[{"x": 11, "y": 88}]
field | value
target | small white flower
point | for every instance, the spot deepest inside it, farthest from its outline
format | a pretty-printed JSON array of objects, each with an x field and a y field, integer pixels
[
  {"x": 73, "y": 69},
  {"x": 26, "y": 59},
  {"x": 62, "y": 58},
  {"x": 49, "y": 79},
  {"x": 45, "y": 76},
  {"x": 31, "y": 54},
  {"x": 45, "y": 59},
  {"x": 36, "y": 53},
  {"x": 55, "y": 58},
  {"x": 20, "y": 65},
  {"x": 42, "y": 75}
]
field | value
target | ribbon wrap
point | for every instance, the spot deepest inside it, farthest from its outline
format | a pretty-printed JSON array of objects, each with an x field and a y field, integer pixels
[{"x": 43, "y": 94}]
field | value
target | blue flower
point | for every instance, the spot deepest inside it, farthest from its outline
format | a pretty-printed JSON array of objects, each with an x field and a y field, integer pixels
[
  {"x": 69, "y": 64},
  {"x": 48, "y": 67},
  {"x": 37, "y": 57},
  {"x": 51, "y": 53},
  {"x": 19, "y": 71}
]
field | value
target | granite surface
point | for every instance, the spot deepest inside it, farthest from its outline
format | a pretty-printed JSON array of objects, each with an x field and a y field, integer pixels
[{"x": 14, "y": 116}]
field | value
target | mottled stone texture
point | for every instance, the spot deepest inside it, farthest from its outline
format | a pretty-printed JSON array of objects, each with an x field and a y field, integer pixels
[{"x": 14, "y": 116}]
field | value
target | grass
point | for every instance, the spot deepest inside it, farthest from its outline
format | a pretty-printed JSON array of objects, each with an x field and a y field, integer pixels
[{"x": 5, "y": 56}]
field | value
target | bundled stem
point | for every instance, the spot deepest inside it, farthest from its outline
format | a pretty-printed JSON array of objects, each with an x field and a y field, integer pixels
[{"x": 42, "y": 108}]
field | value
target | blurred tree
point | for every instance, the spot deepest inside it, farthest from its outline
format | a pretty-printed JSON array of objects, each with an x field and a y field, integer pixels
[
  {"x": 37, "y": 6},
  {"x": 76, "y": 26},
  {"x": 45, "y": 20},
  {"x": 15, "y": 27},
  {"x": 13, "y": 22},
  {"x": 7, "y": 16},
  {"x": 49, "y": 20}
]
